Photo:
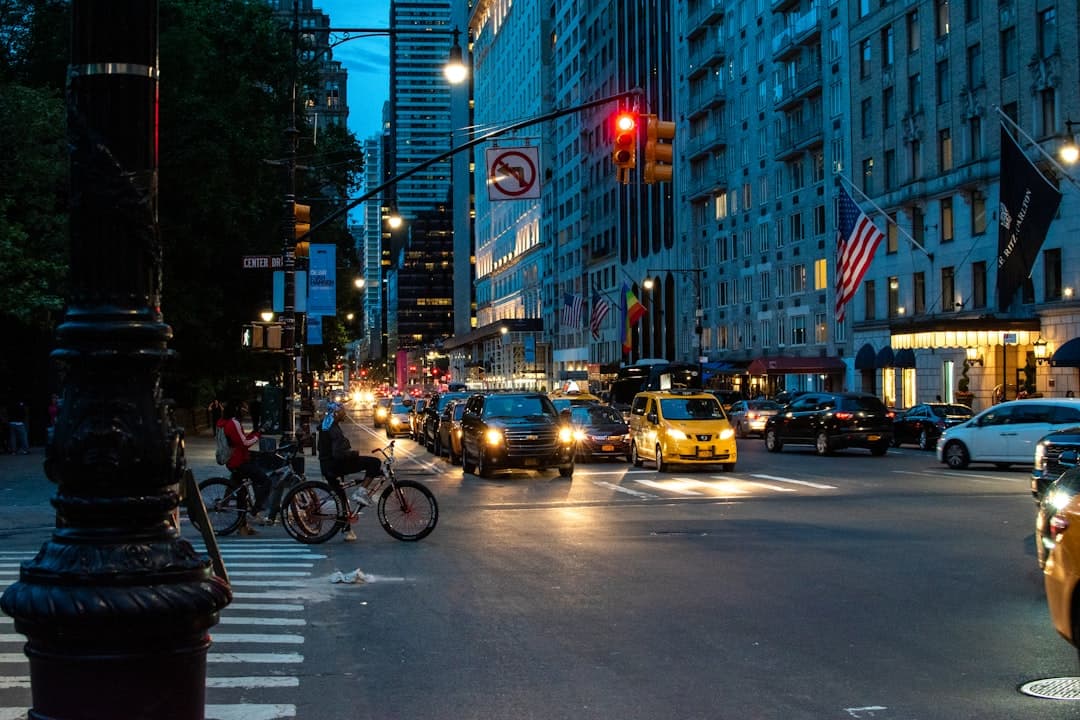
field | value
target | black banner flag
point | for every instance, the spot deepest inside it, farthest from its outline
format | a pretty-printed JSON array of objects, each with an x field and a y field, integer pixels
[{"x": 1028, "y": 203}]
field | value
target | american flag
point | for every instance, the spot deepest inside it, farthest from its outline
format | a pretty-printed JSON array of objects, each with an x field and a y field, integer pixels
[
  {"x": 600, "y": 308},
  {"x": 573, "y": 308},
  {"x": 857, "y": 240}
]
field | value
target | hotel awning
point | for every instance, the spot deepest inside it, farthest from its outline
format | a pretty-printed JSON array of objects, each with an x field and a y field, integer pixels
[
  {"x": 1068, "y": 355},
  {"x": 864, "y": 359},
  {"x": 795, "y": 365},
  {"x": 905, "y": 358},
  {"x": 885, "y": 358}
]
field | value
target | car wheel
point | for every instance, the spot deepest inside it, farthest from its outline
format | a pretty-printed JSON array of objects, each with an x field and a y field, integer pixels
[
  {"x": 821, "y": 443},
  {"x": 455, "y": 458},
  {"x": 895, "y": 440},
  {"x": 739, "y": 433},
  {"x": 635, "y": 459},
  {"x": 728, "y": 467},
  {"x": 467, "y": 464},
  {"x": 879, "y": 449},
  {"x": 566, "y": 470},
  {"x": 661, "y": 464},
  {"x": 438, "y": 447},
  {"x": 482, "y": 468},
  {"x": 772, "y": 441},
  {"x": 956, "y": 455},
  {"x": 925, "y": 443}
]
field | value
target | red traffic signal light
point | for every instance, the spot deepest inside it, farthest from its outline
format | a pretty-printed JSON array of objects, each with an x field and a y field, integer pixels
[
  {"x": 624, "y": 150},
  {"x": 658, "y": 155}
]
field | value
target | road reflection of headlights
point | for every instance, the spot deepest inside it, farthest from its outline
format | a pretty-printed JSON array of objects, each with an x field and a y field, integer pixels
[
  {"x": 1058, "y": 498},
  {"x": 676, "y": 434},
  {"x": 566, "y": 435},
  {"x": 493, "y": 437}
]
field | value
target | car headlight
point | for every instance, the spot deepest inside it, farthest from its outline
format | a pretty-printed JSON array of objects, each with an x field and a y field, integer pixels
[
  {"x": 727, "y": 434},
  {"x": 381, "y": 412},
  {"x": 493, "y": 437},
  {"x": 566, "y": 435},
  {"x": 1057, "y": 499},
  {"x": 676, "y": 434},
  {"x": 1040, "y": 455},
  {"x": 395, "y": 420}
]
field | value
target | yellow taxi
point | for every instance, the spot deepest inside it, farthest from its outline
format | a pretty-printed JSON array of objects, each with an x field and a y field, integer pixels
[
  {"x": 572, "y": 394},
  {"x": 680, "y": 427},
  {"x": 1061, "y": 573}
]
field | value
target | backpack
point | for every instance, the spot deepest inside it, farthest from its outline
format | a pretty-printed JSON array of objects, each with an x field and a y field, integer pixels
[{"x": 222, "y": 451}]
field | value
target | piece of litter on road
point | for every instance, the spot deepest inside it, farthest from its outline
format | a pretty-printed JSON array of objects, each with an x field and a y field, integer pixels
[{"x": 356, "y": 576}]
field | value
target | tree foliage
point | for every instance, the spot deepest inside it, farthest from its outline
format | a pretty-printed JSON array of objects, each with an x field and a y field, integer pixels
[{"x": 227, "y": 69}]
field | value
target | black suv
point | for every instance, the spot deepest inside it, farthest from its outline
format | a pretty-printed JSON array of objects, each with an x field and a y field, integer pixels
[
  {"x": 1047, "y": 467},
  {"x": 831, "y": 421},
  {"x": 432, "y": 412},
  {"x": 515, "y": 430}
]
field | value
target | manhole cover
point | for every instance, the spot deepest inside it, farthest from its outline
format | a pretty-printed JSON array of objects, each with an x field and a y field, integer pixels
[{"x": 1063, "y": 688}]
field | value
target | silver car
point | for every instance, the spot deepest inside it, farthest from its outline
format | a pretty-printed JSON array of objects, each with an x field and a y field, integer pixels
[{"x": 748, "y": 417}]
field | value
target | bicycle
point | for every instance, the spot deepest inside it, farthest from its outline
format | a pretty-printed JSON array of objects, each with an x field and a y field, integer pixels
[
  {"x": 407, "y": 509},
  {"x": 229, "y": 500}
]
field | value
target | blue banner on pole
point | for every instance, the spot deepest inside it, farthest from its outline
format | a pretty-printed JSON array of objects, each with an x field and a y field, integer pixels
[
  {"x": 322, "y": 280},
  {"x": 314, "y": 329},
  {"x": 530, "y": 349}
]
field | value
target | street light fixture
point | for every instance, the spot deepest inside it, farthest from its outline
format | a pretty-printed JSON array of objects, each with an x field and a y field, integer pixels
[
  {"x": 973, "y": 358},
  {"x": 1041, "y": 351}
]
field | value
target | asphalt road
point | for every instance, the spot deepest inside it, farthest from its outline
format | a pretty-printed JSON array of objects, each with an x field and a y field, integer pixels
[{"x": 796, "y": 587}]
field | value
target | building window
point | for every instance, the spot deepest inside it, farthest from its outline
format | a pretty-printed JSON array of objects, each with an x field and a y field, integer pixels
[
  {"x": 945, "y": 158},
  {"x": 781, "y": 330},
  {"x": 866, "y": 108},
  {"x": 765, "y": 332},
  {"x": 1052, "y": 274},
  {"x": 978, "y": 284},
  {"x": 974, "y": 138},
  {"x": 915, "y": 159},
  {"x": 978, "y": 212},
  {"x": 888, "y": 107},
  {"x": 796, "y": 227},
  {"x": 1009, "y": 58},
  {"x": 864, "y": 8},
  {"x": 948, "y": 290},
  {"x": 941, "y": 77},
  {"x": 890, "y": 169},
  {"x": 1047, "y": 32},
  {"x": 887, "y": 47},
  {"x": 764, "y": 286},
  {"x": 869, "y": 300},
  {"x": 914, "y": 90},
  {"x": 864, "y": 58},
  {"x": 868, "y": 175},
  {"x": 821, "y": 274},
  {"x": 947, "y": 233},
  {"x": 974, "y": 66},
  {"x": 894, "y": 296},
  {"x": 1047, "y": 111},
  {"x": 763, "y": 237},
  {"x": 798, "y": 278},
  {"x": 721, "y": 206},
  {"x": 918, "y": 292},
  {"x": 821, "y": 329},
  {"x": 941, "y": 24},
  {"x": 798, "y": 330},
  {"x": 892, "y": 235},
  {"x": 781, "y": 282},
  {"x": 819, "y": 220},
  {"x": 913, "y": 31},
  {"x": 971, "y": 9},
  {"x": 918, "y": 225}
]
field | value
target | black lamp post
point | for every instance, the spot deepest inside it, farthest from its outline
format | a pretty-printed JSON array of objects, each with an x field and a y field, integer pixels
[
  {"x": 115, "y": 607},
  {"x": 698, "y": 312}
]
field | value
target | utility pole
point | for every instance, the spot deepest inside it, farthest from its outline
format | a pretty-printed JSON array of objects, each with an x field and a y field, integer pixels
[
  {"x": 116, "y": 607},
  {"x": 288, "y": 247}
]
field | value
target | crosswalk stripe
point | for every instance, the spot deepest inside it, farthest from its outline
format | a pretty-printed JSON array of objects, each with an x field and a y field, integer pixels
[
  {"x": 668, "y": 486},
  {"x": 12, "y": 658},
  {"x": 628, "y": 491},
  {"x": 266, "y": 595},
  {"x": 267, "y": 606},
  {"x": 275, "y": 583},
  {"x": 819, "y": 486},
  {"x": 767, "y": 486},
  {"x": 15, "y": 682},
  {"x": 276, "y": 564},
  {"x": 227, "y": 619},
  {"x": 251, "y": 682},
  {"x": 264, "y": 658},
  {"x": 20, "y": 713},
  {"x": 244, "y": 711},
  {"x": 285, "y": 639}
]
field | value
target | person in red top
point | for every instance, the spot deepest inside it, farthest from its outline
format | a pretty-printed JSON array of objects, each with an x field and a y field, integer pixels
[{"x": 240, "y": 462}]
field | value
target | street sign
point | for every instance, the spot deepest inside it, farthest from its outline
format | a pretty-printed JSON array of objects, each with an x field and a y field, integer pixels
[
  {"x": 513, "y": 173},
  {"x": 262, "y": 262}
]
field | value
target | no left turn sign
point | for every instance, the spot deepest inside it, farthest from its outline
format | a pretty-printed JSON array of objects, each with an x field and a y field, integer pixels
[{"x": 513, "y": 173}]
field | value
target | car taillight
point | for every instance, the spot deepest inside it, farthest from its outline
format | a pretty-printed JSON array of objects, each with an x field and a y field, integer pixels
[
  {"x": 1058, "y": 525},
  {"x": 751, "y": 416},
  {"x": 843, "y": 415},
  {"x": 890, "y": 415}
]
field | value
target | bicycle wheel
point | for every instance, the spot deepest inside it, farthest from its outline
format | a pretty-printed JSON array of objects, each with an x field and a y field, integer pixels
[
  {"x": 407, "y": 510},
  {"x": 226, "y": 504},
  {"x": 312, "y": 512}
]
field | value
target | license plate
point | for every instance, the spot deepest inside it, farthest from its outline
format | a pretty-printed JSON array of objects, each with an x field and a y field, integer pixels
[
  {"x": 607, "y": 448},
  {"x": 532, "y": 461},
  {"x": 873, "y": 438},
  {"x": 707, "y": 452}
]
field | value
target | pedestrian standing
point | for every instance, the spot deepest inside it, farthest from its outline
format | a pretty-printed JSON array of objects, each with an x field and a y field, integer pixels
[
  {"x": 255, "y": 410},
  {"x": 214, "y": 412},
  {"x": 17, "y": 430}
]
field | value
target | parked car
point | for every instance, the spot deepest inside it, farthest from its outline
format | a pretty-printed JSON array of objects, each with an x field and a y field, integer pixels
[
  {"x": 448, "y": 441},
  {"x": 786, "y": 397},
  {"x": 382, "y": 411},
  {"x": 515, "y": 430},
  {"x": 600, "y": 432},
  {"x": 397, "y": 420},
  {"x": 1061, "y": 570},
  {"x": 1048, "y": 457},
  {"x": 432, "y": 413},
  {"x": 727, "y": 398},
  {"x": 922, "y": 424},
  {"x": 748, "y": 417},
  {"x": 680, "y": 427},
  {"x": 416, "y": 417},
  {"x": 1007, "y": 433},
  {"x": 832, "y": 421}
]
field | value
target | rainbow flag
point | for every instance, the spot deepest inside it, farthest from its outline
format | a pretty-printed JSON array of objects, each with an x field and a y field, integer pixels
[{"x": 632, "y": 311}]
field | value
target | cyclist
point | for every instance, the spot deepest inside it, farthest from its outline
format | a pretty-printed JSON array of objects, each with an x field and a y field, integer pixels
[
  {"x": 240, "y": 462},
  {"x": 337, "y": 458}
]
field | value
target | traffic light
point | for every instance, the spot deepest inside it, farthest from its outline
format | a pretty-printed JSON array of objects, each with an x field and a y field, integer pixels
[
  {"x": 658, "y": 155},
  {"x": 302, "y": 216},
  {"x": 624, "y": 152}
]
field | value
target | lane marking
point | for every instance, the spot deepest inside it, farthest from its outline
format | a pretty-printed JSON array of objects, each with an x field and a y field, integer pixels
[
  {"x": 628, "y": 491},
  {"x": 819, "y": 486}
]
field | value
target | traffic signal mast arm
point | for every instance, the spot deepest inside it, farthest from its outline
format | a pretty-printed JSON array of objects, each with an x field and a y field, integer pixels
[{"x": 635, "y": 93}]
